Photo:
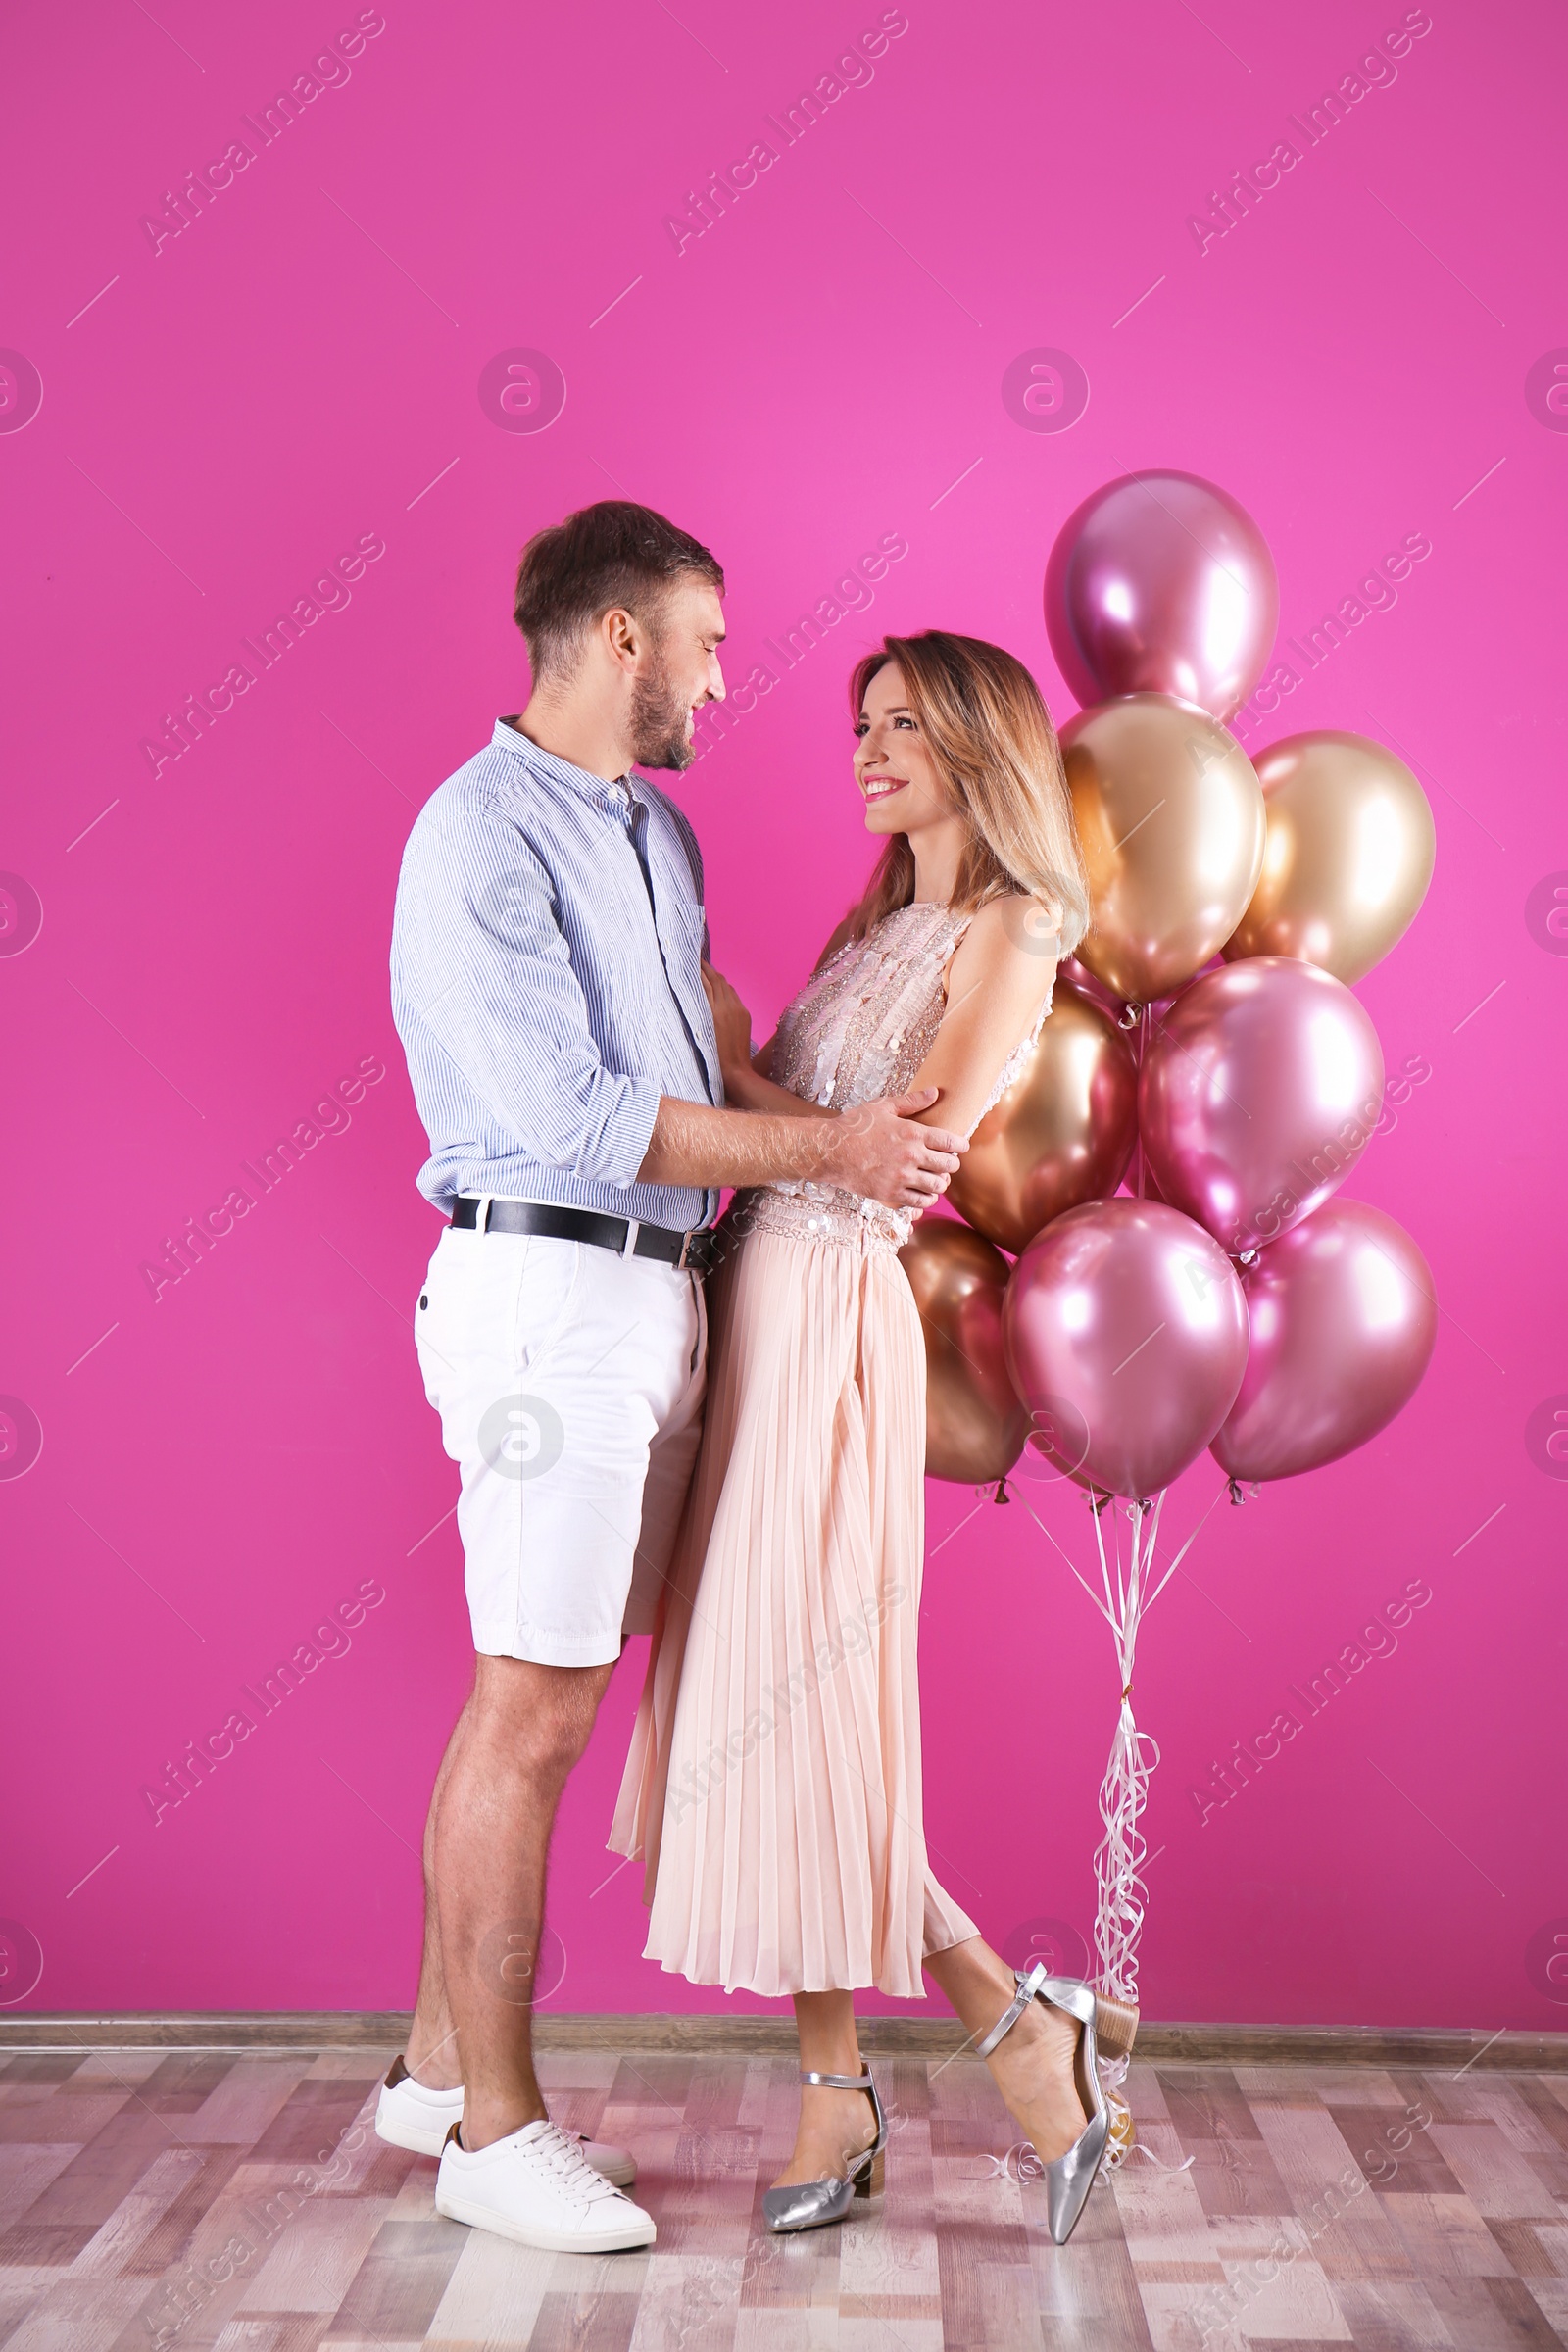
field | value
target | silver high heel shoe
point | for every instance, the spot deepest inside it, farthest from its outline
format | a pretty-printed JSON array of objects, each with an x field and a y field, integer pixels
[
  {"x": 808, "y": 2204},
  {"x": 1105, "y": 2022}
]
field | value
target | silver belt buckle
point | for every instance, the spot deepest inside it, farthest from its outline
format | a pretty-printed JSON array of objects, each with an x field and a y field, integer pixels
[{"x": 633, "y": 1229}]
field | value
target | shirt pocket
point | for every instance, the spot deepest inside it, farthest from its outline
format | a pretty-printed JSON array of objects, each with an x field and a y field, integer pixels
[{"x": 691, "y": 928}]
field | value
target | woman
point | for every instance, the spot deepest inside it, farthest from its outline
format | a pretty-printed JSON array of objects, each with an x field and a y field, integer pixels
[{"x": 775, "y": 1782}]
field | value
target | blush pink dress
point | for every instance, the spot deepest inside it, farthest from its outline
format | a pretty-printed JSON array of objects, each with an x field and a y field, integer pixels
[{"x": 774, "y": 1784}]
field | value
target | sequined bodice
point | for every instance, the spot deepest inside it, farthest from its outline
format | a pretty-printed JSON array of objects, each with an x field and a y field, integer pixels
[{"x": 858, "y": 1031}]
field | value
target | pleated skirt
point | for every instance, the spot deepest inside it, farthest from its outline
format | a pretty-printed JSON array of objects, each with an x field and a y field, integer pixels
[{"x": 773, "y": 1784}]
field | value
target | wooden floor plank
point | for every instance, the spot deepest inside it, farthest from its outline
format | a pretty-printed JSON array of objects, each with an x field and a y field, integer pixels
[
  {"x": 492, "y": 2299},
  {"x": 176, "y": 2226},
  {"x": 245, "y": 2102},
  {"x": 312, "y": 2122},
  {"x": 123, "y": 2234},
  {"x": 1549, "y": 2112},
  {"x": 811, "y": 2328},
  {"x": 39, "y": 2116},
  {"x": 78, "y": 2316},
  {"x": 104, "y": 2070},
  {"x": 688, "y": 2302},
  {"x": 314, "y": 2261},
  {"x": 571, "y": 2320},
  {"x": 397, "y": 2288},
  {"x": 1387, "y": 2315},
  {"x": 1500, "y": 2182},
  {"x": 83, "y": 2194},
  {"x": 28, "y": 2167},
  {"x": 1551, "y": 2297},
  {"x": 1493, "y": 2315},
  {"x": 284, "y": 2332},
  {"x": 1352, "y": 2234},
  {"x": 1446, "y": 2238}
]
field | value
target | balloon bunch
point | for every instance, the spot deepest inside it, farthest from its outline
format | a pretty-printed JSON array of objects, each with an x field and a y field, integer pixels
[{"x": 1206, "y": 1047}]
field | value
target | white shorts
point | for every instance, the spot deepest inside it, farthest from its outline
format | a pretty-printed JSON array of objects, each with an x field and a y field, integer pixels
[{"x": 569, "y": 1382}]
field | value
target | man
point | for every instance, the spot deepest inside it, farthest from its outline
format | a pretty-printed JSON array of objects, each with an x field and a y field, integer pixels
[{"x": 547, "y": 983}]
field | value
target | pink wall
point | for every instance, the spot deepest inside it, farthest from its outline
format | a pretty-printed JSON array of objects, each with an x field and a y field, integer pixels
[{"x": 298, "y": 373}]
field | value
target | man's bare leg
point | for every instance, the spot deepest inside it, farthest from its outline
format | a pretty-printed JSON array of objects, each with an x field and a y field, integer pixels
[
  {"x": 432, "y": 2055},
  {"x": 525, "y": 1727}
]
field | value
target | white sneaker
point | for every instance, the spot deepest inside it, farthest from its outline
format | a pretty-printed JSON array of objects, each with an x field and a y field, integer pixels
[
  {"x": 410, "y": 2116},
  {"x": 535, "y": 2187}
]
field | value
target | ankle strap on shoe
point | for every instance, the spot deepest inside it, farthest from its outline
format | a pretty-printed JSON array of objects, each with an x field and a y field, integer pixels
[
  {"x": 1028, "y": 1986},
  {"x": 838, "y": 2082}
]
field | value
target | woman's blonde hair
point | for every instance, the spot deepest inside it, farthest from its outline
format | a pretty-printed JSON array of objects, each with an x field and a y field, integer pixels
[{"x": 993, "y": 745}]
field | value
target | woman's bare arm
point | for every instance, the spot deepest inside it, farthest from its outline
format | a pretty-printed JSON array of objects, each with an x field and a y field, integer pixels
[
  {"x": 748, "y": 1084},
  {"x": 997, "y": 981},
  {"x": 748, "y": 1081},
  {"x": 750, "y": 1090},
  {"x": 892, "y": 1150}
]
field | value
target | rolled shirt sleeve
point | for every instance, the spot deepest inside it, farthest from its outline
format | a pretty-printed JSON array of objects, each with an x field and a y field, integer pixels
[{"x": 489, "y": 973}]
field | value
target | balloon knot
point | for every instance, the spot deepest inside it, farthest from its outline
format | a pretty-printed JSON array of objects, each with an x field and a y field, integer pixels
[{"x": 1001, "y": 1495}]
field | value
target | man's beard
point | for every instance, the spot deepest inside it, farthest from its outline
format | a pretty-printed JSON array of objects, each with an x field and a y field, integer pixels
[{"x": 658, "y": 716}]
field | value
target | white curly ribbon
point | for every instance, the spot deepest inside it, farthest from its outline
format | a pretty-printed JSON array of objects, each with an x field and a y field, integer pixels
[
  {"x": 1128, "y": 1590},
  {"x": 1130, "y": 1585}
]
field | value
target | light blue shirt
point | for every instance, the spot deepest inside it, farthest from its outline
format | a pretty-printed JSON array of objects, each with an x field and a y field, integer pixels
[{"x": 547, "y": 983}]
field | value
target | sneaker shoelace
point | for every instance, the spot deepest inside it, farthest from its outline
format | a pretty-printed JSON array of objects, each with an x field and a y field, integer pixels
[{"x": 563, "y": 2152}]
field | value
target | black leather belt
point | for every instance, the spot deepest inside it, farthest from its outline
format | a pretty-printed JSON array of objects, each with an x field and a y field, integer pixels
[{"x": 696, "y": 1252}]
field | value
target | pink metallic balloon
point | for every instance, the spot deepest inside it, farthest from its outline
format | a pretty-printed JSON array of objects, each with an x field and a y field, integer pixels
[
  {"x": 1161, "y": 583},
  {"x": 1125, "y": 1331},
  {"x": 1343, "y": 1321},
  {"x": 1260, "y": 1092}
]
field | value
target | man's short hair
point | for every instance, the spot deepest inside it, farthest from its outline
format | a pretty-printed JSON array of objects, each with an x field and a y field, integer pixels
[{"x": 574, "y": 573}]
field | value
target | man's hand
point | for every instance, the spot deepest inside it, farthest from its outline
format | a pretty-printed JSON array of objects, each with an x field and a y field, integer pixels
[{"x": 881, "y": 1149}]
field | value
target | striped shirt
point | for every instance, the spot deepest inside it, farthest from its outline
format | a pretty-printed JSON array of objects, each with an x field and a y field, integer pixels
[{"x": 547, "y": 984}]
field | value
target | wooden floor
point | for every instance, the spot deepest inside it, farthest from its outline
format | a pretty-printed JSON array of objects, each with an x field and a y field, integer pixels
[{"x": 220, "y": 2200}]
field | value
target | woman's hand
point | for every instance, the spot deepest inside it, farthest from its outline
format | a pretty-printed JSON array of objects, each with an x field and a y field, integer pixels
[{"x": 732, "y": 1025}]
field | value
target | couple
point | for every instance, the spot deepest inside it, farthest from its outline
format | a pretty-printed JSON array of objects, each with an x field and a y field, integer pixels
[{"x": 711, "y": 1435}]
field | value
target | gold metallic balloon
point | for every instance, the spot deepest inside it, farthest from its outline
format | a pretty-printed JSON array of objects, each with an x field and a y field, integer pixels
[
  {"x": 1350, "y": 855},
  {"x": 1123, "y": 2135},
  {"x": 1063, "y": 1131},
  {"x": 975, "y": 1423},
  {"x": 1078, "y": 975},
  {"x": 1171, "y": 821}
]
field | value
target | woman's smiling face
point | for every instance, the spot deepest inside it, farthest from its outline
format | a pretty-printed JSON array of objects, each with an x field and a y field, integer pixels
[{"x": 893, "y": 765}]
